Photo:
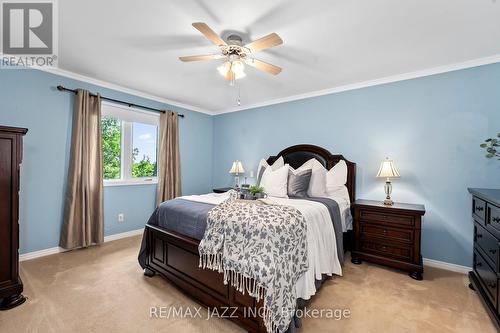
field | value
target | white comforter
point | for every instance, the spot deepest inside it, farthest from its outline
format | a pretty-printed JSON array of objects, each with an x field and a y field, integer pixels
[{"x": 321, "y": 242}]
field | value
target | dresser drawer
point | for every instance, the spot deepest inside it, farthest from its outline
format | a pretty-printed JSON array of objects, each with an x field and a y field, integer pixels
[
  {"x": 387, "y": 218},
  {"x": 479, "y": 209},
  {"x": 386, "y": 249},
  {"x": 487, "y": 242},
  {"x": 494, "y": 216},
  {"x": 487, "y": 276},
  {"x": 399, "y": 234}
]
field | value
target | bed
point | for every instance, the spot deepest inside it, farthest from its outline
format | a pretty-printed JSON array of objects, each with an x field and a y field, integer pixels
[{"x": 173, "y": 252}]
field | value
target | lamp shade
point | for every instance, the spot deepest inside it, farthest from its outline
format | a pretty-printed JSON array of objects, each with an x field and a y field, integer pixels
[
  {"x": 237, "y": 168},
  {"x": 388, "y": 169}
]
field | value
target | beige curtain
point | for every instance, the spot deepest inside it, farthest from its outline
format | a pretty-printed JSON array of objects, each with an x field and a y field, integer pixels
[
  {"x": 169, "y": 182},
  {"x": 83, "y": 212}
]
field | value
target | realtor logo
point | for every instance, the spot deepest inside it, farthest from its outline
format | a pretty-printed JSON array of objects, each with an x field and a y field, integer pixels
[
  {"x": 27, "y": 28},
  {"x": 28, "y": 33}
]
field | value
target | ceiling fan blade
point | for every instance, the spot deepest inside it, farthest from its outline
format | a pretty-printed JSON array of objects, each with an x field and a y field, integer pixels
[
  {"x": 265, "y": 42},
  {"x": 209, "y": 33},
  {"x": 201, "y": 57},
  {"x": 263, "y": 66}
]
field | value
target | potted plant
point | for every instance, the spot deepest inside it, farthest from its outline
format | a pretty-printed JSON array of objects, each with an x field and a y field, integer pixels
[
  {"x": 492, "y": 147},
  {"x": 257, "y": 191}
]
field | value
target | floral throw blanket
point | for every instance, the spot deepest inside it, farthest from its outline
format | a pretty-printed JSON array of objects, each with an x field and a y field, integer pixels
[{"x": 262, "y": 251}]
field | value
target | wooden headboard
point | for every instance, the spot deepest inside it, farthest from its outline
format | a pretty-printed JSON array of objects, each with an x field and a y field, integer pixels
[{"x": 297, "y": 155}]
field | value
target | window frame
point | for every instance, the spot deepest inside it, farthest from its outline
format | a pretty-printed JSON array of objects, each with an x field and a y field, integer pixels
[{"x": 127, "y": 116}]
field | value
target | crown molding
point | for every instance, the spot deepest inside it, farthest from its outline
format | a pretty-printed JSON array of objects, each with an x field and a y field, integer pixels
[
  {"x": 117, "y": 87},
  {"x": 389, "y": 79},
  {"x": 365, "y": 84}
]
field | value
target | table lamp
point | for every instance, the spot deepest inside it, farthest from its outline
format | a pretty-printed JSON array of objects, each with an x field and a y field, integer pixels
[
  {"x": 388, "y": 170},
  {"x": 236, "y": 169}
]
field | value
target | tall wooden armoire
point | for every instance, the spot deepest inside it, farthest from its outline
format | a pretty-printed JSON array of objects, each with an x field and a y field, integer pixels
[{"x": 11, "y": 151}]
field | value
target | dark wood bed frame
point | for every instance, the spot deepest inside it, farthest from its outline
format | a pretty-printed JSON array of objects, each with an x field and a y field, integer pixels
[{"x": 176, "y": 258}]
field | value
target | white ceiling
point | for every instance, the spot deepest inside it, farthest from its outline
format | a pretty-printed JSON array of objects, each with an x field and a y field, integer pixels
[{"x": 327, "y": 44}]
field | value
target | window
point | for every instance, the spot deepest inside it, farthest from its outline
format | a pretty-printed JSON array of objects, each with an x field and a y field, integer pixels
[
  {"x": 144, "y": 137},
  {"x": 129, "y": 145}
]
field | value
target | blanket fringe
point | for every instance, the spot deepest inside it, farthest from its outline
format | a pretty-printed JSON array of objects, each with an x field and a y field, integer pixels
[
  {"x": 244, "y": 284},
  {"x": 211, "y": 261}
]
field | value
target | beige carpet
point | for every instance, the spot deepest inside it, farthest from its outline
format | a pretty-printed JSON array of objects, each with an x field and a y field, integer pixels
[{"x": 103, "y": 290}]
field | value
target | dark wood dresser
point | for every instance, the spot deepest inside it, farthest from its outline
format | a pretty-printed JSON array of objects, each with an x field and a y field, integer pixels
[
  {"x": 388, "y": 235},
  {"x": 485, "y": 274},
  {"x": 11, "y": 150}
]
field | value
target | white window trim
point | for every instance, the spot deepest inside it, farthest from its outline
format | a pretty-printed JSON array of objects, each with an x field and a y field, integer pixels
[
  {"x": 130, "y": 182},
  {"x": 129, "y": 115}
]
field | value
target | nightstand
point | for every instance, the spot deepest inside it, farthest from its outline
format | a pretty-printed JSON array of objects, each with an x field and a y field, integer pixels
[
  {"x": 222, "y": 189},
  {"x": 388, "y": 235}
]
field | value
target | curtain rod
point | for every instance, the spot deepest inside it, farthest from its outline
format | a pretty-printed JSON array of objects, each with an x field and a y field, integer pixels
[{"x": 61, "y": 88}]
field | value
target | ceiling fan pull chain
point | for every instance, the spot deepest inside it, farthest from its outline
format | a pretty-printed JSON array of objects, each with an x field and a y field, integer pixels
[{"x": 239, "y": 95}]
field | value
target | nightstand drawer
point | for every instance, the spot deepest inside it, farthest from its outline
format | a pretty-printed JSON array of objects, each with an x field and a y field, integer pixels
[
  {"x": 385, "y": 249},
  {"x": 369, "y": 229},
  {"x": 387, "y": 218}
]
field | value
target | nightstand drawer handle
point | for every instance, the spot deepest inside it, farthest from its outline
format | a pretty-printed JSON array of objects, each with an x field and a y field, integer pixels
[
  {"x": 384, "y": 248},
  {"x": 496, "y": 219},
  {"x": 492, "y": 251},
  {"x": 384, "y": 231},
  {"x": 479, "y": 208}
]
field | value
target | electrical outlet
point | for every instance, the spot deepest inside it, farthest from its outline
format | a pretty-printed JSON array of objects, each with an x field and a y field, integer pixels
[{"x": 121, "y": 217}]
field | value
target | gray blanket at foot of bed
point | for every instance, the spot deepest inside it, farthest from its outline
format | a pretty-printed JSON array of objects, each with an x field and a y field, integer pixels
[{"x": 188, "y": 218}]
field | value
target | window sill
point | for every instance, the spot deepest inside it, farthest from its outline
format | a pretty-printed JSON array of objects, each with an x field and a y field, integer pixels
[{"x": 130, "y": 182}]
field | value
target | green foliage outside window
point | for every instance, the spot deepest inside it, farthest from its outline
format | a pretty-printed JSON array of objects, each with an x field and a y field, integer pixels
[
  {"x": 143, "y": 168},
  {"x": 111, "y": 147},
  {"x": 111, "y": 153}
]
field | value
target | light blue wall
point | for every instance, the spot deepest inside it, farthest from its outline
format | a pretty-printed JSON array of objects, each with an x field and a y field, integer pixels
[
  {"x": 28, "y": 98},
  {"x": 431, "y": 127}
]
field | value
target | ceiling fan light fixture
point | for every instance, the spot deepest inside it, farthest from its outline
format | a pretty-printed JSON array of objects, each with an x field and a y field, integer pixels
[
  {"x": 238, "y": 69},
  {"x": 236, "y": 54},
  {"x": 234, "y": 70},
  {"x": 224, "y": 68}
]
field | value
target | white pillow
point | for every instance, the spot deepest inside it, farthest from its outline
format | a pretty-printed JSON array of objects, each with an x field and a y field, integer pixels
[
  {"x": 317, "y": 185},
  {"x": 275, "y": 182},
  {"x": 280, "y": 162},
  {"x": 340, "y": 193},
  {"x": 336, "y": 177}
]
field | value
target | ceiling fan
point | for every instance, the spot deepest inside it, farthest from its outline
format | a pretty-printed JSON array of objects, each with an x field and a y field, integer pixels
[{"x": 236, "y": 54}]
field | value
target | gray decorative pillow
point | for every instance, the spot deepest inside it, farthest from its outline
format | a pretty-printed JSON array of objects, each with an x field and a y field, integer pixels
[
  {"x": 259, "y": 176},
  {"x": 298, "y": 183}
]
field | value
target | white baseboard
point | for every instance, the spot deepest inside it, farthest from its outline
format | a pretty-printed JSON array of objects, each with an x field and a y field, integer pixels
[
  {"x": 41, "y": 253},
  {"x": 57, "y": 249},
  {"x": 447, "y": 266},
  {"x": 123, "y": 235}
]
